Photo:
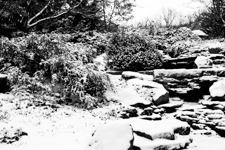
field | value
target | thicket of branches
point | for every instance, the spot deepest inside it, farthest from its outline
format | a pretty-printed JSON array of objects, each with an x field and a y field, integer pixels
[
  {"x": 212, "y": 20},
  {"x": 53, "y": 15}
]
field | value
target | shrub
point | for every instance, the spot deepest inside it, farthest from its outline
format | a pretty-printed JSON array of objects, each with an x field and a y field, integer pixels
[
  {"x": 36, "y": 64},
  {"x": 132, "y": 52},
  {"x": 98, "y": 41},
  {"x": 182, "y": 34},
  {"x": 176, "y": 42},
  {"x": 172, "y": 41},
  {"x": 177, "y": 49}
]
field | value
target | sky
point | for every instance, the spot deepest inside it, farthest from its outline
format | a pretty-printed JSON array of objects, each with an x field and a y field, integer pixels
[{"x": 153, "y": 8}]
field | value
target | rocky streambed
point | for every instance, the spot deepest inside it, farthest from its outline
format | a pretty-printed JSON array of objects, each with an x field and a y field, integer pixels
[
  {"x": 193, "y": 96},
  {"x": 166, "y": 109},
  {"x": 134, "y": 120}
]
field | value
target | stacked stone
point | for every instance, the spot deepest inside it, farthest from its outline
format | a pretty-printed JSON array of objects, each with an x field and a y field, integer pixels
[
  {"x": 188, "y": 82},
  {"x": 217, "y": 59},
  {"x": 143, "y": 97},
  {"x": 187, "y": 60},
  {"x": 180, "y": 62},
  {"x": 204, "y": 119}
]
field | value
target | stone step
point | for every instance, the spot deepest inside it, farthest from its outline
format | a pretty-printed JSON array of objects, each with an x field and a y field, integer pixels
[
  {"x": 216, "y": 56},
  {"x": 179, "y": 59},
  {"x": 187, "y": 73},
  {"x": 114, "y": 72},
  {"x": 190, "y": 84},
  {"x": 183, "y": 62},
  {"x": 188, "y": 61}
]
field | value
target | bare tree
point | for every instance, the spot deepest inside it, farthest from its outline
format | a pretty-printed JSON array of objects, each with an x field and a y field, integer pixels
[
  {"x": 214, "y": 17},
  {"x": 181, "y": 20},
  {"x": 116, "y": 10},
  {"x": 169, "y": 15}
]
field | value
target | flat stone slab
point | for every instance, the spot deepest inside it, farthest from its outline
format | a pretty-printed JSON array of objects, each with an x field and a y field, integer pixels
[
  {"x": 142, "y": 143},
  {"x": 130, "y": 75},
  {"x": 160, "y": 129},
  {"x": 192, "y": 58},
  {"x": 188, "y": 73},
  {"x": 216, "y": 56},
  {"x": 171, "y": 105},
  {"x": 211, "y": 103}
]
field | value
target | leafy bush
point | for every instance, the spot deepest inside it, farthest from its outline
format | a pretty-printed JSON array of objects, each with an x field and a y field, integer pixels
[
  {"x": 181, "y": 34},
  {"x": 132, "y": 52},
  {"x": 37, "y": 64},
  {"x": 211, "y": 19},
  {"x": 176, "y": 42},
  {"x": 97, "y": 40},
  {"x": 177, "y": 49},
  {"x": 172, "y": 41}
]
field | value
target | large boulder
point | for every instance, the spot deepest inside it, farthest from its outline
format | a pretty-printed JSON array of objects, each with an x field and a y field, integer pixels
[
  {"x": 203, "y": 62},
  {"x": 112, "y": 136},
  {"x": 149, "y": 90},
  {"x": 159, "y": 96},
  {"x": 129, "y": 96},
  {"x": 200, "y": 33},
  {"x": 217, "y": 90},
  {"x": 139, "y": 93},
  {"x": 159, "y": 134},
  {"x": 160, "y": 129},
  {"x": 141, "y": 134},
  {"x": 156, "y": 96}
]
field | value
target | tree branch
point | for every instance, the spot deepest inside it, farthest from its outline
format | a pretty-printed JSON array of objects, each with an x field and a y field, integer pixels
[
  {"x": 104, "y": 12},
  {"x": 29, "y": 25},
  {"x": 220, "y": 10},
  {"x": 76, "y": 5},
  {"x": 221, "y": 17},
  {"x": 39, "y": 13},
  {"x": 47, "y": 18},
  {"x": 112, "y": 13}
]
